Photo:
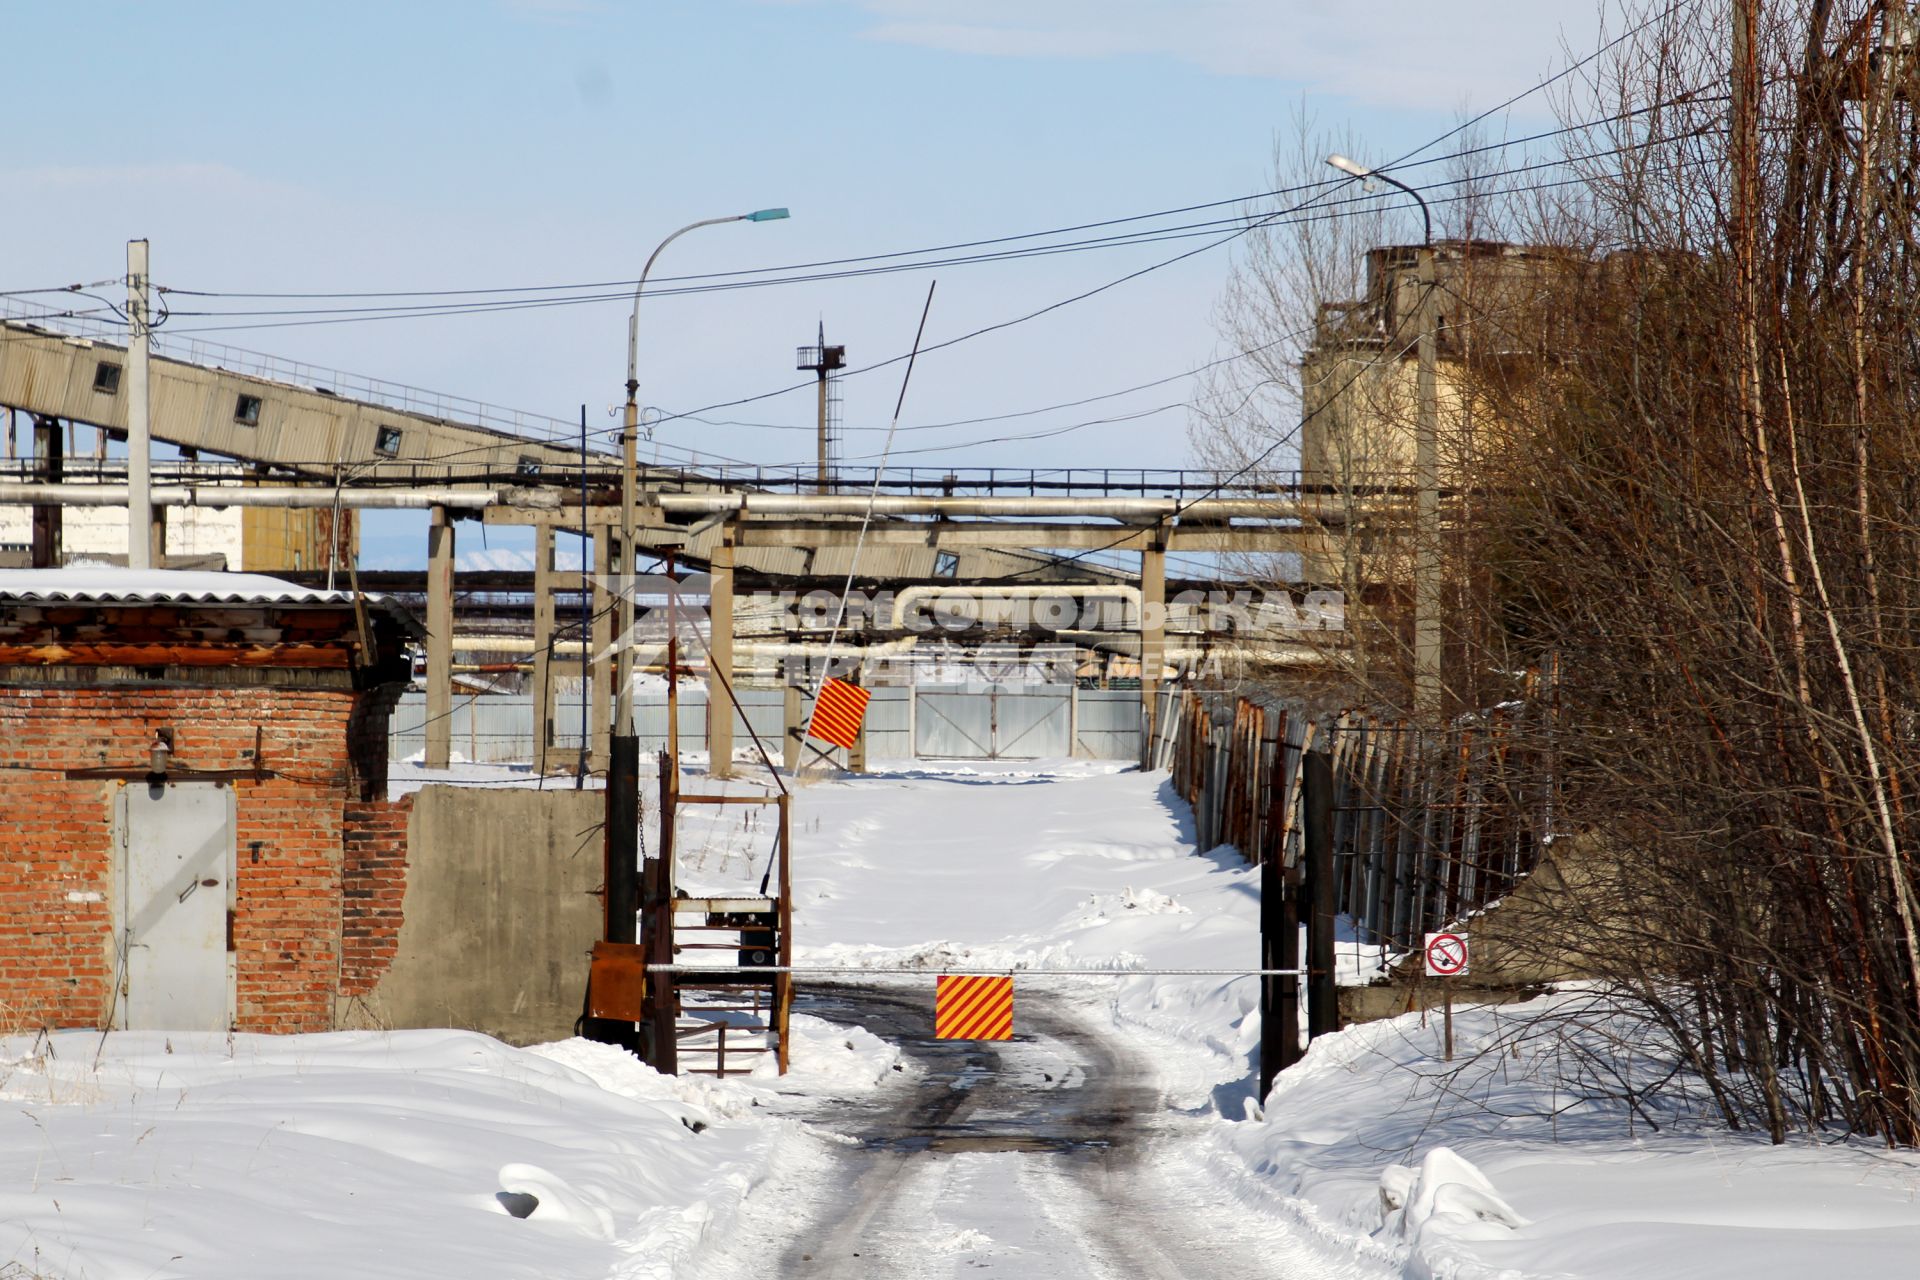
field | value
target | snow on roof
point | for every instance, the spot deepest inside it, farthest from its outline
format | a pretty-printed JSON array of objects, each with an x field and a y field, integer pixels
[
  {"x": 155, "y": 586},
  {"x": 113, "y": 585}
]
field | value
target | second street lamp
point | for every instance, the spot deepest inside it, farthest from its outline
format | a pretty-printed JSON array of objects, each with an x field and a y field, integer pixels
[{"x": 1427, "y": 636}]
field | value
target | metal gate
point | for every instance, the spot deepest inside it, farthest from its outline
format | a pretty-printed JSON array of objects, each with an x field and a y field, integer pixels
[
  {"x": 995, "y": 723},
  {"x": 174, "y": 908}
]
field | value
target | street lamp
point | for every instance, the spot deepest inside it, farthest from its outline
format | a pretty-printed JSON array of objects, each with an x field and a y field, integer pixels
[
  {"x": 629, "y": 488},
  {"x": 1369, "y": 176},
  {"x": 1426, "y": 467},
  {"x": 621, "y": 867}
]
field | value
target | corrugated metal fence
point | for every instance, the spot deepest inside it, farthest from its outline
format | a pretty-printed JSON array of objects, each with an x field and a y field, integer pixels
[
  {"x": 936, "y": 722},
  {"x": 1427, "y": 826}
]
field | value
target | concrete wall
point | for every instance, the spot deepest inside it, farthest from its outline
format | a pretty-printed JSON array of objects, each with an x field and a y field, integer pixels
[
  {"x": 102, "y": 531},
  {"x": 500, "y": 912}
]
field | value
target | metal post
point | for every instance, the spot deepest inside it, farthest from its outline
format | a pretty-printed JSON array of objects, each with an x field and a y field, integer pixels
[
  {"x": 586, "y": 617},
  {"x": 439, "y": 639},
  {"x": 1153, "y": 636},
  {"x": 623, "y": 770},
  {"x": 629, "y": 500},
  {"x": 673, "y": 669},
  {"x": 601, "y": 718},
  {"x": 1316, "y": 805},
  {"x": 139, "y": 435},
  {"x": 619, "y": 885},
  {"x": 720, "y": 656},
  {"x": 1427, "y": 639},
  {"x": 1276, "y": 993},
  {"x": 782, "y": 1011},
  {"x": 623, "y": 844},
  {"x": 663, "y": 1051},
  {"x": 542, "y": 646},
  {"x": 820, "y": 481}
]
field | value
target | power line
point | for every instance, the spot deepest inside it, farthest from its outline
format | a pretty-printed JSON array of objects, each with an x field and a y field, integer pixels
[
  {"x": 625, "y": 286},
  {"x": 1288, "y": 436}
]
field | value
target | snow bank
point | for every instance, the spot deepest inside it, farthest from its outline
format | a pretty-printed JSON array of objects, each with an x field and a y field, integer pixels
[
  {"x": 362, "y": 1154},
  {"x": 1524, "y": 1158}
]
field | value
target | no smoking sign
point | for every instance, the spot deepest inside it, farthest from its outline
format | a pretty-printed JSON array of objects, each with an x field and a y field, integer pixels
[{"x": 1446, "y": 955}]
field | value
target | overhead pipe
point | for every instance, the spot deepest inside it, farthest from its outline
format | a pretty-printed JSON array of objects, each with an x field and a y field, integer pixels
[
  {"x": 18, "y": 493},
  {"x": 752, "y": 648},
  {"x": 1147, "y": 509},
  {"x": 907, "y": 597}
]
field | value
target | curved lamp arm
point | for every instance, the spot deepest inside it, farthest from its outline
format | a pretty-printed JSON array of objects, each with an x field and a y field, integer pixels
[
  {"x": 1347, "y": 166},
  {"x": 633, "y": 321}
]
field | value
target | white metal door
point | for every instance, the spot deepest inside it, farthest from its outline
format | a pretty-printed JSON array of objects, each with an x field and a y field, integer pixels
[
  {"x": 176, "y": 895},
  {"x": 992, "y": 723}
]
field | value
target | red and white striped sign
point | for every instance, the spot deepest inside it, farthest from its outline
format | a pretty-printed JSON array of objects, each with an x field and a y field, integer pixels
[
  {"x": 837, "y": 713},
  {"x": 972, "y": 1008}
]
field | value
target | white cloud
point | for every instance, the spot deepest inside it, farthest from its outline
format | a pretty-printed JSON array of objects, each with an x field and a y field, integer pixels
[{"x": 1388, "y": 52}]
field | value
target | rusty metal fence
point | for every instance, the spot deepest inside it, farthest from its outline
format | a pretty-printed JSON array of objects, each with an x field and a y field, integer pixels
[{"x": 1428, "y": 826}]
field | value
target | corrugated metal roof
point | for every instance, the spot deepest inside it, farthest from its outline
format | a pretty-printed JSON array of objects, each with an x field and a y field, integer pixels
[{"x": 112, "y": 585}]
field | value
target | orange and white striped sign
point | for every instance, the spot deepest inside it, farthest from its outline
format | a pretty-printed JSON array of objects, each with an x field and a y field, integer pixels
[
  {"x": 972, "y": 1008},
  {"x": 837, "y": 713}
]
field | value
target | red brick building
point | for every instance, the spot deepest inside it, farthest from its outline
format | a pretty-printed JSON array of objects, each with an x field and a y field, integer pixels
[{"x": 194, "y": 830}]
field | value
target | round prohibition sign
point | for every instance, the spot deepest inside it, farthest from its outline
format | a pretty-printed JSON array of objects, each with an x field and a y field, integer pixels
[{"x": 1446, "y": 954}]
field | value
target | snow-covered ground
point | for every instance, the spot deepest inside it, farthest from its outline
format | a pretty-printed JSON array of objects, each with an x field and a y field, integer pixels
[{"x": 382, "y": 1154}]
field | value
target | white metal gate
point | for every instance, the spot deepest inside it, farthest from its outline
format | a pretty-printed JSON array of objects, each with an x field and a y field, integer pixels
[
  {"x": 174, "y": 906},
  {"x": 1017, "y": 723}
]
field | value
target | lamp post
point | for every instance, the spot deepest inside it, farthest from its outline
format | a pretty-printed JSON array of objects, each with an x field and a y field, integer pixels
[
  {"x": 623, "y": 881},
  {"x": 629, "y": 488},
  {"x": 1427, "y": 639}
]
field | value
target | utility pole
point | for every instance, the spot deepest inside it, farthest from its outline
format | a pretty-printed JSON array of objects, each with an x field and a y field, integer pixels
[
  {"x": 139, "y": 432},
  {"x": 823, "y": 360},
  {"x": 1427, "y": 641}
]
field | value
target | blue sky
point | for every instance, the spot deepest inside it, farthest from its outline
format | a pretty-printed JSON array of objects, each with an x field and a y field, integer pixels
[{"x": 433, "y": 145}]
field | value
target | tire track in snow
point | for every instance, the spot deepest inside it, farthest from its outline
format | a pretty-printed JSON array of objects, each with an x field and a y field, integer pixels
[{"x": 1048, "y": 1155}]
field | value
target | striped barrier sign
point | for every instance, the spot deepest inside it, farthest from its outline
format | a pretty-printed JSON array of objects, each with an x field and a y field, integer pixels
[
  {"x": 972, "y": 1008},
  {"x": 837, "y": 713}
]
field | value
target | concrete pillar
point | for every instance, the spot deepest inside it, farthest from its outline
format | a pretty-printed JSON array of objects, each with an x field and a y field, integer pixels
[
  {"x": 439, "y": 639},
  {"x": 857, "y": 756},
  {"x": 543, "y": 664},
  {"x": 49, "y": 467},
  {"x": 157, "y": 538},
  {"x": 1153, "y": 635},
  {"x": 796, "y": 728},
  {"x": 604, "y": 606},
  {"x": 720, "y": 656}
]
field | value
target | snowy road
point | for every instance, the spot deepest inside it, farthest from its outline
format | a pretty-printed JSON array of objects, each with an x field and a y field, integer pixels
[{"x": 1052, "y": 1155}]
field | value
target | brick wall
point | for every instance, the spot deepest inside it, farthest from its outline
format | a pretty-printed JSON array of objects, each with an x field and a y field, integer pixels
[
  {"x": 56, "y": 860},
  {"x": 374, "y": 891}
]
